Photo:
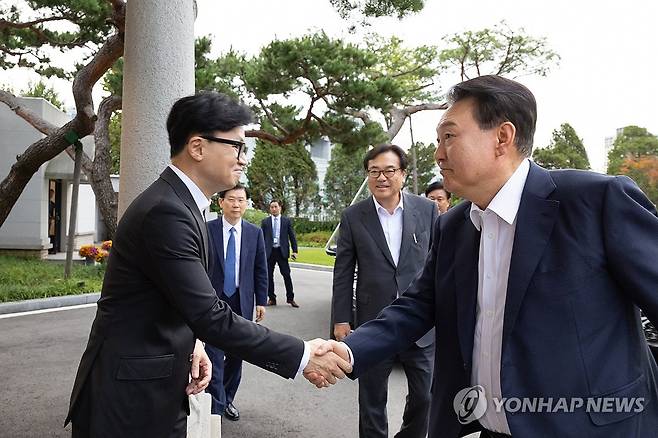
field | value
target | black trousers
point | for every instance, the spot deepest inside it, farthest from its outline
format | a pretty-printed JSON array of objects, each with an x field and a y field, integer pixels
[
  {"x": 284, "y": 268},
  {"x": 418, "y": 364}
]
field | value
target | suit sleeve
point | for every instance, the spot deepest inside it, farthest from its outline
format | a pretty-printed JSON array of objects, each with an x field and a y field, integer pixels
[
  {"x": 260, "y": 271},
  {"x": 401, "y": 323},
  {"x": 343, "y": 281},
  {"x": 293, "y": 238},
  {"x": 630, "y": 226},
  {"x": 173, "y": 257}
]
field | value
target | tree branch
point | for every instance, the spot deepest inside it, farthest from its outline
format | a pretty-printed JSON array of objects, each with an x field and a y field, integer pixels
[{"x": 399, "y": 115}]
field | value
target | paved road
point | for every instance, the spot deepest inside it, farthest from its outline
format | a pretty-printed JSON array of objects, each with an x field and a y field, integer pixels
[{"x": 40, "y": 353}]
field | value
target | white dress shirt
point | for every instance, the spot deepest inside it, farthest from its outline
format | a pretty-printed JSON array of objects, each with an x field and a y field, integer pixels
[
  {"x": 392, "y": 227},
  {"x": 203, "y": 203},
  {"x": 497, "y": 224},
  {"x": 276, "y": 231},
  {"x": 238, "y": 239},
  {"x": 199, "y": 198}
]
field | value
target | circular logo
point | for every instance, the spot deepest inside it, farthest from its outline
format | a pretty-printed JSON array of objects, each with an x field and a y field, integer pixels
[{"x": 470, "y": 404}]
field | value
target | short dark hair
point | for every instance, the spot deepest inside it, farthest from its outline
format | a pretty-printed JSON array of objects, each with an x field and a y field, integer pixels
[
  {"x": 383, "y": 148},
  {"x": 501, "y": 100},
  {"x": 204, "y": 113},
  {"x": 275, "y": 200},
  {"x": 238, "y": 186},
  {"x": 437, "y": 185}
]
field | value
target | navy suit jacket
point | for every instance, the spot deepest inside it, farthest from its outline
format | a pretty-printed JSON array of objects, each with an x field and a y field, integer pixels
[
  {"x": 584, "y": 259},
  {"x": 253, "y": 265},
  {"x": 286, "y": 234}
]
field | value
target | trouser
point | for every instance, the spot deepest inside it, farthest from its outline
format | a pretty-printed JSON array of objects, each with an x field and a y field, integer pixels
[
  {"x": 284, "y": 268},
  {"x": 418, "y": 364}
]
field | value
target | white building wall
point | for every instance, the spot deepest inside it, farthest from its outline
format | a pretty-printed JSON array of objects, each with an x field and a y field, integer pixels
[{"x": 26, "y": 227}]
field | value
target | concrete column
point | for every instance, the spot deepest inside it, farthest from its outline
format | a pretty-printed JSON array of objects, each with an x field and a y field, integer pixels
[{"x": 158, "y": 69}]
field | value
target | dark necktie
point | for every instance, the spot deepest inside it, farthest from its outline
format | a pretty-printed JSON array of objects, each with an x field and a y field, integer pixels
[{"x": 229, "y": 265}]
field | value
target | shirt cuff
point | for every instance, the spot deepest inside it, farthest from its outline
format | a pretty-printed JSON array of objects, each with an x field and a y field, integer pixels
[
  {"x": 349, "y": 351},
  {"x": 305, "y": 358}
]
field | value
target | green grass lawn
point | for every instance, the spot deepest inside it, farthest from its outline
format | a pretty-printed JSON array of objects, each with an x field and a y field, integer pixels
[
  {"x": 315, "y": 256},
  {"x": 23, "y": 279}
]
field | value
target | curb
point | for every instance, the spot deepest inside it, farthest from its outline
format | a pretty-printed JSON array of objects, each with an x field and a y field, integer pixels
[
  {"x": 48, "y": 303},
  {"x": 75, "y": 300},
  {"x": 311, "y": 267}
]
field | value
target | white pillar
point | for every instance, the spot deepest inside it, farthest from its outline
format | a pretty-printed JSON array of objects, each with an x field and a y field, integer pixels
[{"x": 158, "y": 69}]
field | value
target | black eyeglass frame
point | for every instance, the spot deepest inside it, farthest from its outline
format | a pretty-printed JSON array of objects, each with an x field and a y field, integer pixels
[
  {"x": 371, "y": 173},
  {"x": 236, "y": 144}
]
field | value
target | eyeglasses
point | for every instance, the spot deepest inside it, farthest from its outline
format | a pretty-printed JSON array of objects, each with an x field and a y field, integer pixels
[
  {"x": 237, "y": 144},
  {"x": 388, "y": 173}
]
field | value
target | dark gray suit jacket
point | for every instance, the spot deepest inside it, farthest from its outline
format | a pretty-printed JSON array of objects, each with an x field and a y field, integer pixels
[
  {"x": 156, "y": 299},
  {"x": 361, "y": 242}
]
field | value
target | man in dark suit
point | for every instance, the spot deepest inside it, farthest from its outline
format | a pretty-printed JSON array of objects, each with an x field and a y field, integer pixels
[
  {"x": 438, "y": 194},
  {"x": 279, "y": 236},
  {"x": 388, "y": 236},
  {"x": 157, "y": 298},
  {"x": 533, "y": 286},
  {"x": 239, "y": 276}
]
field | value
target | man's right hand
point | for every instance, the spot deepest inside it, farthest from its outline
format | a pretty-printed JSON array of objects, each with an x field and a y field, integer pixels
[{"x": 341, "y": 330}]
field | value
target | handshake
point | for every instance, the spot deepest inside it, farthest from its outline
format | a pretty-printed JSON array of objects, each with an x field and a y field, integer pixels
[{"x": 328, "y": 361}]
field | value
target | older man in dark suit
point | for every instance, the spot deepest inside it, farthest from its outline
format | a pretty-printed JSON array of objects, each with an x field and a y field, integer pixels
[
  {"x": 388, "y": 236},
  {"x": 239, "y": 276},
  {"x": 534, "y": 286},
  {"x": 157, "y": 297}
]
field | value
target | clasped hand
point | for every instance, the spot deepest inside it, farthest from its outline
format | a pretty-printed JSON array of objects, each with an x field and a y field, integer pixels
[{"x": 328, "y": 362}]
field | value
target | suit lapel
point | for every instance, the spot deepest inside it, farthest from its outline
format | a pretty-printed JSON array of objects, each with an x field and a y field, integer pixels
[
  {"x": 244, "y": 247},
  {"x": 184, "y": 194},
  {"x": 408, "y": 226},
  {"x": 371, "y": 222},
  {"x": 218, "y": 240},
  {"x": 534, "y": 223},
  {"x": 466, "y": 284}
]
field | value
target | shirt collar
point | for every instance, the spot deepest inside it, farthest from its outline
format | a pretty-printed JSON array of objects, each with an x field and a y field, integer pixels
[
  {"x": 378, "y": 206},
  {"x": 200, "y": 199},
  {"x": 227, "y": 225},
  {"x": 506, "y": 202}
]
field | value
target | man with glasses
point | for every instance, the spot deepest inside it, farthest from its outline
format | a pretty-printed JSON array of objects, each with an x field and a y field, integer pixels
[
  {"x": 157, "y": 303},
  {"x": 239, "y": 276},
  {"x": 388, "y": 236}
]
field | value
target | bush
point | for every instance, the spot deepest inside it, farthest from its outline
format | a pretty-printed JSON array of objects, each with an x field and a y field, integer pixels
[
  {"x": 254, "y": 216},
  {"x": 315, "y": 239},
  {"x": 304, "y": 226}
]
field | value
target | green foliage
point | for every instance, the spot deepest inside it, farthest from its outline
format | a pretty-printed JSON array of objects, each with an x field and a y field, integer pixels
[
  {"x": 634, "y": 143},
  {"x": 427, "y": 168},
  {"x": 285, "y": 173},
  {"x": 378, "y": 8},
  {"x": 115, "y": 142},
  {"x": 32, "y": 35},
  {"x": 315, "y": 256},
  {"x": 24, "y": 279},
  {"x": 499, "y": 50},
  {"x": 113, "y": 79},
  {"x": 566, "y": 151},
  {"x": 306, "y": 226},
  {"x": 41, "y": 89},
  {"x": 344, "y": 176},
  {"x": 347, "y": 79},
  {"x": 254, "y": 216},
  {"x": 316, "y": 239}
]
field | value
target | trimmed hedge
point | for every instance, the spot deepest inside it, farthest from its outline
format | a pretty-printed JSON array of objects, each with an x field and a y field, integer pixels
[{"x": 304, "y": 226}]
